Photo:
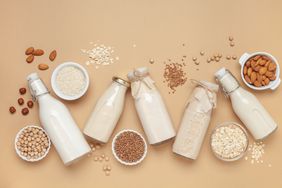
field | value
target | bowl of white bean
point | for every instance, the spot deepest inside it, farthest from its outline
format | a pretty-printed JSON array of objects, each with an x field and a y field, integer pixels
[{"x": 32, "y": 143}]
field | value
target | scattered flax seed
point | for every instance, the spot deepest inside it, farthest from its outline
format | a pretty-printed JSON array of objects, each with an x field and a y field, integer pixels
[
  {"x": 194, "y": 59},
  {"x": 228, "y": 57},
  {"x": 231, "y": 38},
  {"x": 202, "y": 53},
  {"x": 174, "y": 75},
  {"x": 234, "y": 57}
]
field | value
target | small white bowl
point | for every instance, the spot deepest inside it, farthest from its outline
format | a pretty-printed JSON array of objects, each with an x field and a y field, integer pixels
[
  {"x": 19, "y": 152},
  {"x": 57, "y": 90},
  {"x": 272, "y": 84},
  {"x": 121, "y": 161},
  {"x": 227, "y": 124}
]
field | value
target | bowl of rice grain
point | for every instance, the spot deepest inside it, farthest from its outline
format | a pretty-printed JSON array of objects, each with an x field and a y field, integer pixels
[{"x": 70, "y": 81}]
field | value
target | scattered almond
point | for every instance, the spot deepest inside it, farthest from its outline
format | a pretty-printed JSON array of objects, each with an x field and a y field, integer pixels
[
  {"x": 53, "y": 55},
  {"x": 30, "y": 59},
  {"x": 38, "y": 52},
  {"x": 43, "y": 66},
  {"x": 29, "y": 51}
]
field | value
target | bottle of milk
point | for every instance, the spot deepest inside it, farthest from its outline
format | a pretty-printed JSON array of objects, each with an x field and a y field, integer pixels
[
  {"x": 246, "y": 106},
  {"x": 107, "y": 111},
  {"x": 58, "y": 123},
  {"x": 195, "y": 120},
  {"x": 150, "y": 107}
]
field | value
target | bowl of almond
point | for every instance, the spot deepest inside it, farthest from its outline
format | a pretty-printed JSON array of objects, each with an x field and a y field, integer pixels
[{"x": 260, "y": 71}]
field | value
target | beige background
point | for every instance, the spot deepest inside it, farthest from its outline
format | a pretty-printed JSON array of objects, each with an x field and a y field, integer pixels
[{"x": 158, "y": 29}]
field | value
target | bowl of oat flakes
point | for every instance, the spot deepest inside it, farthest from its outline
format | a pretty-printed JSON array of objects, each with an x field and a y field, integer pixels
[{"x": 229, "y": 141}]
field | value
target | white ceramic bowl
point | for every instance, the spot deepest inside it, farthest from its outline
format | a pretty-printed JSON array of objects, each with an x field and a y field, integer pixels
[
  {"x": 57, "y": 90},
  {"x": 272, "y": 84},
  {"x": 226, "y": 124},
  {"x": 121, "y": 161},
  {"x": 19, "y": 152}
]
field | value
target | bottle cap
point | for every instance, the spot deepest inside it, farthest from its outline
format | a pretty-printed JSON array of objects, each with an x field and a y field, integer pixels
[
  {"x": 226, "y": 80},
  {"x": 36, "y": 86}
]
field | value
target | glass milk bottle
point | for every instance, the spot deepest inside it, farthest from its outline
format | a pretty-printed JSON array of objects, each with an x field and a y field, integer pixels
[
  {"x": 150, "y": 107},
  {"x": 246, "y": 106},
  {"x": 195, "y": 120},
  {"x": 107, "y": 111},
  {"x": 58, "y": 123}
]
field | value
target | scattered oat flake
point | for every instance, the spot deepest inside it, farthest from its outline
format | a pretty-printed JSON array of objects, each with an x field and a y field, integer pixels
[{"x": 99, "y": 55}]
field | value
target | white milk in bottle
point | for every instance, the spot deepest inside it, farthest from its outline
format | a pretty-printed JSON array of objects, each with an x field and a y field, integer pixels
[
  {"x": 107, "y": 111},
  {"x": 195, "y": 120},
  {"x": 150, "y": 107},
  {"x": 58, "y": 123},
  {"x": 246, "y": 106}
]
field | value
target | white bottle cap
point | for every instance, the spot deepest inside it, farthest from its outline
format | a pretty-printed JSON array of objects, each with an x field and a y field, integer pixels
[
  {"x": 142, "y": 71},
  {"x": 32, "y": 76},
  {"x": 36, "y": 85},
  {"x": 227, "y": 81},
  {"x": 131, "y": 76},
  {"x": 220, "y": 73}
]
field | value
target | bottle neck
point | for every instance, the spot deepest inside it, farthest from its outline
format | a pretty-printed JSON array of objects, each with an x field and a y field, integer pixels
[{"x": 229, "y": 83}]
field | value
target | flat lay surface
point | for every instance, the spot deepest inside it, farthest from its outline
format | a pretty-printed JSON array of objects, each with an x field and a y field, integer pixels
[{"x": 140, "y": 33}]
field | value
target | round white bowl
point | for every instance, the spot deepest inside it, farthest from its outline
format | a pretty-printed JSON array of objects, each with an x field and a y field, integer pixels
[
  {"x": 272, "y": 84},
  {"x": 19, "y": 152},
  {"x": 57, "y": 90},
  {"x": 121, "y": 161},
  {"x": 226, "y": 124}
]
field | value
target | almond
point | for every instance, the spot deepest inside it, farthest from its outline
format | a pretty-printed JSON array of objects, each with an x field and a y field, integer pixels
[
  {"x": 253, "y": 64},
  {"x": 249, "y": 72},
  {"x": 263, "y": 83},
  {"x": 262, "y": 70},
  {"x": 269, "y": 74},
  {"x": 30, "y": 59},
  {"x": 253, "y": 77},
  {"x": 256, "y": 68},
  {"x": 38, "y": 52},
  {"x": 43, "y": 66},
  {"x": 248, "y": 64},
  {"x": 247, "y": 78},
  {"x": 267, "y": 63},
  {"x": 271, "y": 67},
  {"x": 266, "y": 81},
  {"x": 257, "y": 84},
  {"x": 53, "y": 55},
  {"x": 256, "y": 57},
  {"x": 262, "y": 62},
  {"x": 272, "y": 78},
  {"x": 259, "y": 77},
  {"x": 263, "y": 77},
  {"x": 29, "y": 51},
  {"x": 245, "y": 70}
]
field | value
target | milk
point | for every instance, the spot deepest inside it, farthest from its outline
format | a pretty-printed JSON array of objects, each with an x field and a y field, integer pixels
[
  {"x": 107, "y": 111},
  {"x": 58, "y": 123},
  {"x": 246, "y": 106},
  {"x": 150, "y": 107}
]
